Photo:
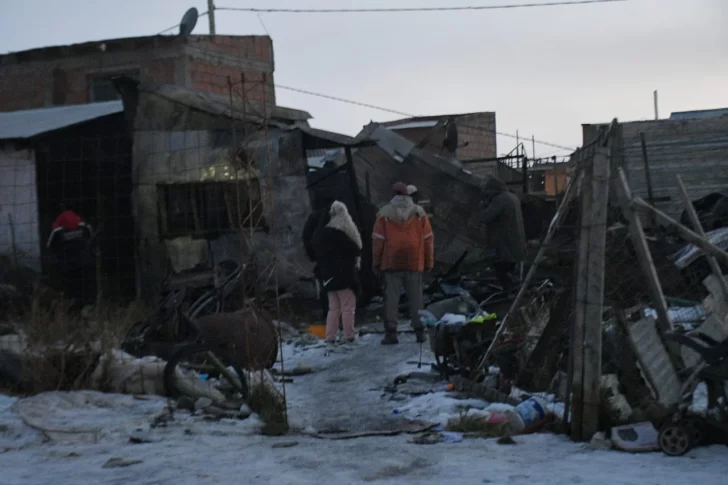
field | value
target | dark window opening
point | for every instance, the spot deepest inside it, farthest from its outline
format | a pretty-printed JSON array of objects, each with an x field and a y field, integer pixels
[
  {"x": 102, "y": 88},
  {"x": 208, "y": 209}
]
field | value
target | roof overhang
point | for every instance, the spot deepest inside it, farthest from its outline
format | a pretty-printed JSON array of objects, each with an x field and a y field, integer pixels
[{"x": 25, "y": 124}]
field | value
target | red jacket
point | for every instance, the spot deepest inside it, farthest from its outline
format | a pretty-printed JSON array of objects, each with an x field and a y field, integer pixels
[{"x": 403, "y": 238}]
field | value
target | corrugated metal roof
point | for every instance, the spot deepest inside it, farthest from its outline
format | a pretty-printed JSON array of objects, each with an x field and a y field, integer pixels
[
  {"x": 699, "y": 114},
  {"x": 317, "y": 158},
  {"x": 32, "y": 122}
]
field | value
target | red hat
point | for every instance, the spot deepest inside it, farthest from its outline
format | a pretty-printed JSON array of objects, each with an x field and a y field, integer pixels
[{"x": 399, "y": 189}]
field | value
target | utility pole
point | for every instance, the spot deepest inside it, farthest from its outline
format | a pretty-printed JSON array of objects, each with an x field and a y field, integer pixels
[{"x": 211, "y": 15}]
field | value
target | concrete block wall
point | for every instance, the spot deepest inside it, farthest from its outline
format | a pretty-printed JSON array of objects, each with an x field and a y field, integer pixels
[
  {"x": 19, "y": 235},
  {"x": 56, "y": 76}
]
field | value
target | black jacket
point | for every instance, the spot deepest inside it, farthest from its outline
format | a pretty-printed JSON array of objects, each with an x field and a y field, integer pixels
[
  {"x": 315, "y": 219},
  {"x": 336, "y": 257}
]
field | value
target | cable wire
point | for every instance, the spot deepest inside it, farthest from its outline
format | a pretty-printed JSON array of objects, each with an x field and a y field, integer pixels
[
  {"x": 414, "y": 9},
  {"x": 408, "y": 115},
  {"x": 175, "y": 26}
]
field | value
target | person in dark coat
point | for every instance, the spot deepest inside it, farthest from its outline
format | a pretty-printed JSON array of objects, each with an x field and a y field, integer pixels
[
  {"x": 506, "y": 233},
  {"x": 70, "y": 243},
  {"x": 317, "y": 218},
  {"x": 337, "y": 246}
]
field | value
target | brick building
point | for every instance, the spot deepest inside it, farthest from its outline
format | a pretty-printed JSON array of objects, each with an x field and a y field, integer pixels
[
  {"x": 477, "y": 129},
  {"x": 82, "y": 73}
]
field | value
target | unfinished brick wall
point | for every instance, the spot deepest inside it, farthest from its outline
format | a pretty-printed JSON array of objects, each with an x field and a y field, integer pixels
[
  {"x": 478, "y": 129},
  {"x": 56, "y": 76},
  {"x": 211, "y": 62},
  {"x": 22, "y": 88}
]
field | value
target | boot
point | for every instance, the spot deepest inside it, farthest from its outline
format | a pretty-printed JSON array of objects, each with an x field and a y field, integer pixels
[
  {"x": 390, "y": 339},
  {"x": 420, "y": 334}
]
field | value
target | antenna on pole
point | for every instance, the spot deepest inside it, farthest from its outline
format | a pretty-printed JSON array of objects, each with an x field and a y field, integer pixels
[
  {"x": 211, "y": 15},
  {"x": 657, "y": 114}
]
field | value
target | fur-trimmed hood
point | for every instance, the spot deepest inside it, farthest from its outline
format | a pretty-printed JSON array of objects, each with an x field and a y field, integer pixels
[
  {"x": 341, "y": 221},
  {"x": 402, "y": 208}
]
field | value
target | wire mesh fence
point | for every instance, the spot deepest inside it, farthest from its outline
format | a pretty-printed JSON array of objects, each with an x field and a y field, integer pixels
[{"x": 120, "y": 245}]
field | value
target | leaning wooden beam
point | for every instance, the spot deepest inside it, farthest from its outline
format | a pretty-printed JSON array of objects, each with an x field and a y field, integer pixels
[
  {"x": 695, "y": 220},
  {"x": 555, "y": 223},
  {"x": 643, "y": 251},
  {"x": 686, "y": 233}
]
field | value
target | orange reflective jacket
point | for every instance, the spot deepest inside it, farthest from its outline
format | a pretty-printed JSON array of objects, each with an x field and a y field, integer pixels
[{"x": 403, "y": 238}]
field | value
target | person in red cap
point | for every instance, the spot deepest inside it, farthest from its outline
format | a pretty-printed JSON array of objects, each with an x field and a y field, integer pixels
[
  {"x": 70, "y": 244},
  {"x": 403, "y": 249}
]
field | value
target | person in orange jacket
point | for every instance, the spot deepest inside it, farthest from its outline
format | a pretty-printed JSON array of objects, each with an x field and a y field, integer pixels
[{"x": 403, "y": 249}]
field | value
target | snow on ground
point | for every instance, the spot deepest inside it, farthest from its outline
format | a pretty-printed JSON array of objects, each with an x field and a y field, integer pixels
[{"x": 345, "y": 393}]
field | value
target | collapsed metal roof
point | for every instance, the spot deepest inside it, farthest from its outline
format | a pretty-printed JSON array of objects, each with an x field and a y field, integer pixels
[{"x": 19, "y": 125}]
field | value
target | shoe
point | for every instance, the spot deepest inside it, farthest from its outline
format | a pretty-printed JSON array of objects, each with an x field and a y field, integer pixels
[
  {"x": 420, "y": 334},
  {"x": 390, "y": 339}
]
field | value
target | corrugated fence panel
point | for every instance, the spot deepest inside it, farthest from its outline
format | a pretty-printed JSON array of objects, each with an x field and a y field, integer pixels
[{"x": 697, "y": 150}]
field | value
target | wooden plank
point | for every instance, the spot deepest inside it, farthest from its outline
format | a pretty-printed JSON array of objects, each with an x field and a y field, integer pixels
[
  {"x": 655, "y": 362},
  {"x": 576, "y": 349},
  {"x": 686, "y": 233},
  {"x": 695, "y": 220},
  {"x": 595, "y": 293},
  {"x": 644, "y": 257}
]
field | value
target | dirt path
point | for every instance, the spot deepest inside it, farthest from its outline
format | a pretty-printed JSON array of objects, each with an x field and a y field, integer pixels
[{"x": 345, "y": 394}]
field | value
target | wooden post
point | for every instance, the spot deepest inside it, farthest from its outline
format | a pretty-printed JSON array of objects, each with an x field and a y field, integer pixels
[
  {"x": 576, "y": 349},
  {"x": 644, "y": 257},
  {"x": 695, "y": 220},
  {"x": 593, "y": 305},
  {"x": 211, "y": 16},
  {"x": 12, "y": 240},
  {"x": 648, "y": 176},
  {"x": 353, "y": 185}
]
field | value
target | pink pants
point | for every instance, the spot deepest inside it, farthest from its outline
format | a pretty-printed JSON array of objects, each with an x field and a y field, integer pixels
[{"x": 342, "y": 307}]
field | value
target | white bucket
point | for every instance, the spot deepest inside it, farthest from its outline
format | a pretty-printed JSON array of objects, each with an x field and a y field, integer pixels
[{"x": 532, "y": 412}]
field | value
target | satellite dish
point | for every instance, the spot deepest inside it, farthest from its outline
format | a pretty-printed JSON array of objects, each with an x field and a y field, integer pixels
[{"x": 189, "y": 20}]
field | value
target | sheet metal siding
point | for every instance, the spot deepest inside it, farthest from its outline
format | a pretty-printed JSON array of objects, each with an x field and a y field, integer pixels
[
  {"x": 697, "y": 150},
  {"x": 29, "y": 123}
]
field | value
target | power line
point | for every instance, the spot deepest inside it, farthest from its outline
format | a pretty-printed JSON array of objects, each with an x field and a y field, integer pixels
[
  {"x": 414, "y": 9},
  {"x": 408, "y": 115}
]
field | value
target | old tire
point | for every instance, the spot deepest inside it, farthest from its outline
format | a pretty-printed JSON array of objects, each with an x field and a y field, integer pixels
[{"x": 675, "y": 439}]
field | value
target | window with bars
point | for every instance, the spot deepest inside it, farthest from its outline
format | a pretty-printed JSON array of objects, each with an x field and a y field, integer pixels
[{"x": 209, "y": 209}]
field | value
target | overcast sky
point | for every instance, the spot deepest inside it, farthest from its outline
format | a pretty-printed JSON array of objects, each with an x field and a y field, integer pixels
[{"x": 544, "y": 71}]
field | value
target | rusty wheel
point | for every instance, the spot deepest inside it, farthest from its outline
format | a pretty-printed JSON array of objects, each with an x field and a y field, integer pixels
[{"x": 675, "y": 439}]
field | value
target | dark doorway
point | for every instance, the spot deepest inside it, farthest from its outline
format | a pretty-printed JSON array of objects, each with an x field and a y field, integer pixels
[{"x": 88, "y": 169}]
